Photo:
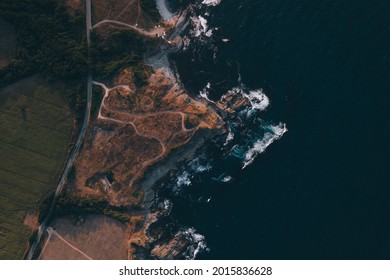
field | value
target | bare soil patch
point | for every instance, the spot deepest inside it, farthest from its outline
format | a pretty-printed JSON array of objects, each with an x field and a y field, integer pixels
[
  {"x": 31, "y": 220},
  {"x": 99, "y": 237}
]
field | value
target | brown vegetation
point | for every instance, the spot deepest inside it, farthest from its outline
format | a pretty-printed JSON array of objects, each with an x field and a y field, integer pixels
[
  {"x": 134, "y": 129},
  {"x": 142, "y": 13}
]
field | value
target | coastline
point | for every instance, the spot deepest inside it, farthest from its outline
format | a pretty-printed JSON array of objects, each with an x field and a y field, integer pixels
[
  {"x": 141, "y": 133},
  {"x": 160, "y": 169}
]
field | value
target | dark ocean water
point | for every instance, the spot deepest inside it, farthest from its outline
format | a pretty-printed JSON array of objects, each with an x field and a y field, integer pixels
[{"x": 322, "y": 191}]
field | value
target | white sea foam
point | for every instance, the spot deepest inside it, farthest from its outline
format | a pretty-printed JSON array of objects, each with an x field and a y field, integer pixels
[
  {"x": 203, "y": 168},
  {"x": 163, "y": 10},
  {"x": 198, "y": 243},
  {"x": 167, "y": 204},
  {"x": 258, "y": 99},
  {"x": 184, "y": 179},
  {"x": 224, "y": 178},
  {"x": 235, "y": 90},
  {"x": 198, "y": 165},
  {"x": 205, "y": 94},
  {"x": 274, "y": 133},
  {"x": 227, "y": 179},
  {"x": 211, "y": 2},
  {"x": 209, "y": 33},
  {"x": 229, "y": 137},
  {"x": 200, "y": 26},
  {"x": 186, "y": 42}
]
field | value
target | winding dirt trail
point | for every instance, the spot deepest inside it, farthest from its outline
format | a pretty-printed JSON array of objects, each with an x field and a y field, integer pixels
[
  {"x": 156, "y": 32},
  {"x": 148, "y": 162},
  {"x": 51, "y": 232}
]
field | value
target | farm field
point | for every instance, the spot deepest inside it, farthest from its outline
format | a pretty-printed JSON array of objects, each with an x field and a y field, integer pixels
[{"x": 36, "y": 128}]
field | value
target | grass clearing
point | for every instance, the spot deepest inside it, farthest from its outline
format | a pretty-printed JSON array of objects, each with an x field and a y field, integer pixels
[{"x": 35, "y": 131}]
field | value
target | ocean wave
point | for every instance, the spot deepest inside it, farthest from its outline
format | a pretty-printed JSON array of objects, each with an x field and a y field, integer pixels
[
  {"x": 223, "y": 178},
  {"x": 186, "y": 43},
  {"x": 198, "y": 243},
  {"x": 204, "y": 93},
  {"x": 274, "y": 132},
  {"x": 184, "y": 179},
  {"x": 166, "y": 207},
  {"x": 211, "y": 2},
  {"x": 200, "y": 27},
  {"x": 229, "y": 137},
  {"x": 258, "y": 99},
  {"x": 187, "y": 172},
  {"x": 200, "y": 164},
  {"x": 227, "y": 179}
]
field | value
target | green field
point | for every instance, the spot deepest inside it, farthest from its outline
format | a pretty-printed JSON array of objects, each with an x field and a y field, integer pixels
[{"x": 35, "y": 131}]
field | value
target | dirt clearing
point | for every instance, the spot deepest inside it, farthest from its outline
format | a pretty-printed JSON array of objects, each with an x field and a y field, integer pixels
[{"x": 96, "y": 237}]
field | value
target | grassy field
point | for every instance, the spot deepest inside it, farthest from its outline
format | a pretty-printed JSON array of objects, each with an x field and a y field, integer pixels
[
  {"x": 35, "y": 130},
  {"x": 7, "y": 42}
]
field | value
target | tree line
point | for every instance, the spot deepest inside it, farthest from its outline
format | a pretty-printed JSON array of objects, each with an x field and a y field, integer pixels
[{"x": 50, "y": 42}]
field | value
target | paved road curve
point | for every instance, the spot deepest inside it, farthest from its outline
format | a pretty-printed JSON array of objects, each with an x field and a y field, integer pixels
[{"x": 77, "y": 145}]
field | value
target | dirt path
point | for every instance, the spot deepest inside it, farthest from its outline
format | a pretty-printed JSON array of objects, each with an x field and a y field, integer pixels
[
  {"x": 140, "y": 116},
  {"x": 51, "y": 232},
  {"x": 156, "y": 32}
]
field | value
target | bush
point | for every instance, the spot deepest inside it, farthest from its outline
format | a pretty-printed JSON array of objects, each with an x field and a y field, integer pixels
[
  {"x": 68, "y": 205},
  {"x": 49, "y": 42}
]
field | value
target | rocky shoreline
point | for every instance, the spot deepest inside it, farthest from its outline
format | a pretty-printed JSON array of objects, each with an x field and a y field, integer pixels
[{"x": 141, "y": 132}]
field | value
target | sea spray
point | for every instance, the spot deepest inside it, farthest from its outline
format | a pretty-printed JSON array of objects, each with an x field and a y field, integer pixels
[
  {"x": 211, "y": 2},
  {"x": 198, "y": 243},
  {"x": 274, "y": 132}
]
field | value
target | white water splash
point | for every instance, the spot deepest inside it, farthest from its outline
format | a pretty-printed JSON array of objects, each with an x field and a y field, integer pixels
[
  {"x": 200, "y": 27},
  {"x": 184, "y": 179},
  {"x": 275, "y": 132},
  {"x": 198, "y": 243},
  {"x": 227, "y": 179},
  {"x": 167, "y": 204},
  {"x": 211, "y": 2},
  {"x": 198, "y": 166},
  {"x": 205, "y": 93},
  {"x": 258, "y": 99},
  {"x": 229, "y": 137},
  {"x": 186, "y": 42}
]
